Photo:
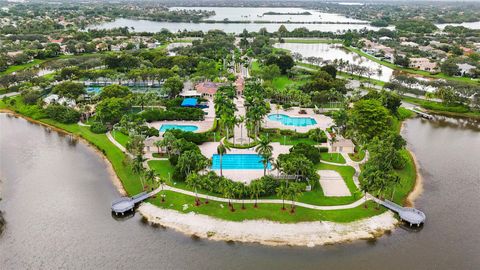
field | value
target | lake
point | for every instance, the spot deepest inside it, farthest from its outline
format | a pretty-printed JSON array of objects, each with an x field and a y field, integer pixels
[
  {"x": 237, "y": 28},
  {"x": 336, "y": 51},
  {"x": 257, "y": 14},
  {"x": 471, "y": 25},
  {"x": 57, "y": 193}
]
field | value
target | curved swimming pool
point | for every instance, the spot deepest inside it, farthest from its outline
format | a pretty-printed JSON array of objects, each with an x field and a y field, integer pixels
[
  {"x": 292, "y": 121},
  {"x": 166, "y": 127}
]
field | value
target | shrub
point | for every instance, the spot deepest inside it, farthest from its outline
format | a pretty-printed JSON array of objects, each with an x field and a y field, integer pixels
[
  {"x": 174, "y": 113},
  {"x": 62, "y": 114},
  {"x": 98, "y": 128},
  {"x": 197, "y": 138},
  {"x": 323, "y": 149},
  {"x": 309, "y": 151}
]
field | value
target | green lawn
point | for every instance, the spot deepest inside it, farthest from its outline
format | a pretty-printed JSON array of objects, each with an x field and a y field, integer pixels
[
  {"x": 408, "y": 178},
  {"x": 357, "y": 156},
  {"x": 271, "y": 212},
  {"x": 409, "y": 70},
  {"x": 289, "y": 140},
  {"x": 121, "y": 138},
  {"x": 441, "y": 108},
  {"x": 162, "y": 168},
  {"x": 16, "y": 68},
  {"x": 333, "y": 157}
]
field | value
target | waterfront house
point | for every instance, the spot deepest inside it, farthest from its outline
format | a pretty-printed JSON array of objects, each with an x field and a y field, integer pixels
[{"x": 466, "y": 69}]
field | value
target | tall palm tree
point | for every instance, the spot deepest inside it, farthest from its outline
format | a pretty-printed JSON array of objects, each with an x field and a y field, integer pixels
[
  {"x": 266, "y": 159},
  {"x": 394, "y": 181},
  {"x": 150, "y": 178},
  {"x": 222, "y": 150},
  {"x": 277, "y": 165},
  {"x": 294, "y": 190},
  {"x": 264, "y": 146},
  {"x": 161, "y": 182},
  {"x": 239, "y": 123},
  {"x": 158, "y": 144},
  {"x": 168, "y": 142},
  {"x": 193, "y": 181},
  {"x": 256, "y": 188},
  {"x": 282, "y": 192}
]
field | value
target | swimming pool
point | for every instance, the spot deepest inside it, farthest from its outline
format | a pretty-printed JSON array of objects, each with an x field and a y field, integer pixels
[
  {"x": 238, "y": 162},
  {"x": 93, "y": 89},
  {"x": 166, "y": 127},
  {"x": 292, "y": 121}
]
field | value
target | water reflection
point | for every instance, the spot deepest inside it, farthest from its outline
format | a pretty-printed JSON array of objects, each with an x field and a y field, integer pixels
[{"x": 57, "y": 204}]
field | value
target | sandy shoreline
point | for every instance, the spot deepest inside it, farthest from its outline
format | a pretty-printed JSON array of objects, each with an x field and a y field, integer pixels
[{"x": 268, "y": 232}]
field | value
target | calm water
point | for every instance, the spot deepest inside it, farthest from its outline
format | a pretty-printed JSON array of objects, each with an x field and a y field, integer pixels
[
  {"x": 256, "y": 14},
  {"x": 292, "y": 121},
  {"x": 57, "y": 194},
  {"x": 152, "y": 26},
  {"x": 335, "y": 51},
  {"x": 238, "y": 162},
  {"x": 166, "y": 127},
  {"x": 471, "y": 25}
]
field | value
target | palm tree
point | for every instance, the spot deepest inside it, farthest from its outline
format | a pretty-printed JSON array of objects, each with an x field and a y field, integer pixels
[
  {"x": 264, "y": 146},
  {"x": 149, "y": 178},
  {"x": 294, "y": 190},
  {"x": 222, "y": 150},
  {"x": 239, "y": 123},
  {"x": 282, "y": 193},
  {"x": 266, "y": 159},
  {"x": 193, "y": 181},
  {"x": 256, "y": 188},
  {"x": 161, "y": 181},
  {"x": 225, "y": 188},
  {"x": 394, "y": 181},
  {"x": 158, "y": 144},
  {"x": 168, "y": 142},
  {"x": 277, "y": 165}
]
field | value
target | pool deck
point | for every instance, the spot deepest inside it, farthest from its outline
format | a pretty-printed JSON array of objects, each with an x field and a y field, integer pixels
[
  {"x": 244, "y": 175},
  {"x": 203, "y": 126},
  {"x": 323, "y": 121}
]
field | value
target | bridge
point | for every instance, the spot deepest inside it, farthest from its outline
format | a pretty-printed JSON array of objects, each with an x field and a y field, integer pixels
[
  {"x": 408, "y": 214},
  {"x": 422, "y": 114},
  {"x": 125, "y": 204}
]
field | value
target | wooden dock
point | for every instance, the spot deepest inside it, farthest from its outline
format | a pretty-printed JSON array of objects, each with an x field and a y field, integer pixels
[
  {"x": 408, "y": 214},
  {"x": 125, "y": 204},
  {"x": 422, "y": 114}
]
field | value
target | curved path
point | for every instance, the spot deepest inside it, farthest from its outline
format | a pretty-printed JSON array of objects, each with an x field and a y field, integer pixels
[{"x": 260, "y": 201}]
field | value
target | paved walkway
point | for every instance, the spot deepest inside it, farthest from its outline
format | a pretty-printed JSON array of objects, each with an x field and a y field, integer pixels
[
  {"x": 9, "y": 94},
  {"x": 240, "y": 132},
  {"x": 260, "y": 201},
  {"x": 117, "y": 144}
]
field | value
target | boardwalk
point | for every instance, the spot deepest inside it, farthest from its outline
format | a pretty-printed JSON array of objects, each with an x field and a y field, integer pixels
[
  {"x": 124, "y": 204},
  {"x": 408, "y": 214},
  {"x": 422, "y": 114}
]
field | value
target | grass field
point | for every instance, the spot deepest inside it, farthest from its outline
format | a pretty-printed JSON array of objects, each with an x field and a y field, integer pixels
[
  {"x": 333, "y": 157},
  {"x": 441, "y": 108}
]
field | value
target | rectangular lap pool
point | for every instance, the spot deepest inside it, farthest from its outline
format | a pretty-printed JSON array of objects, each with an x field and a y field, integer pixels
[
  {"x": 238, "y": 162},
  {"x": 166, "y": 127},
  {"x": 292, "y": 121}
]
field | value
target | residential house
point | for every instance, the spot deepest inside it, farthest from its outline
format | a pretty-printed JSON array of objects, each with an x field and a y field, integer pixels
[
  {"x": 56, "y": 99},
  {"x": 466, "y": 69},
  {"x": 240, "y": 85},
  {"x": 424, "y": 64}
]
